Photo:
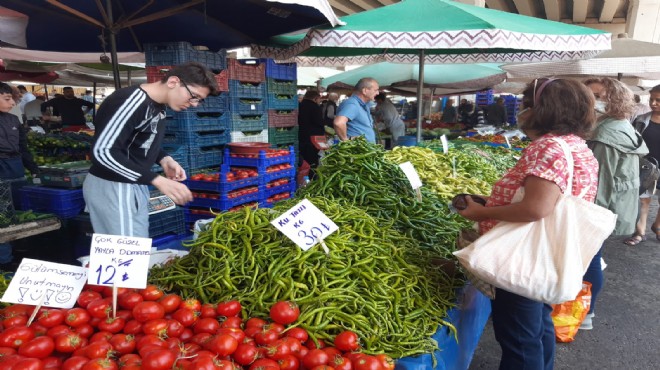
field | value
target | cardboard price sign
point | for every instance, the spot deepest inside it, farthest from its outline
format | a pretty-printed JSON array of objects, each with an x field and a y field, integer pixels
[
  {"x": 46, "y": 283},
  {"x": 121, "y": 261},
  {"x": 305, "y": 224},
  {"x": 412, "y": 175}
]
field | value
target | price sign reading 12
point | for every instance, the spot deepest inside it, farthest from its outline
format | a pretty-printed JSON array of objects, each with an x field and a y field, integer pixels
[
  {"x": 305, "y": 224},
  {"x": 119, "y": 260}
]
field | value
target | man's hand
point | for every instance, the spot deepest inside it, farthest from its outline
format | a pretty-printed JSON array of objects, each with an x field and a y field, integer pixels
[
  {"x": 173, "y": 169},
  {"x": 178, "y": 192},
  {"x": 340, "y": 123}
]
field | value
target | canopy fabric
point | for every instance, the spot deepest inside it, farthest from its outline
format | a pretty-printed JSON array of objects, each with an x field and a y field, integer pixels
[
  {"x": 450, "y": 31},
  {"x": 60, "y": 57},
  {"x": 308, "y": 76},
  {"x": 214, "y": 24},
  {"x": 460, "y": 77},
  {"x": 74, "y": 74}
]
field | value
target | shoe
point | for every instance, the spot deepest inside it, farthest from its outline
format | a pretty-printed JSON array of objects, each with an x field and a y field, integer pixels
[
  {"x": 587, "y": 324},
  {"x": 655, "y": 230},
  {"x": 634, "y": 239}
]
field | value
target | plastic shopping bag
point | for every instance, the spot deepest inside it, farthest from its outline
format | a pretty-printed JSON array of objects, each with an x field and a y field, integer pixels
[{"x": 568, "y": 316}]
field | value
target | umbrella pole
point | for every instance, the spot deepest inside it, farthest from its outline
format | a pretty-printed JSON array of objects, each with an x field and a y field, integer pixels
[
  {"x": 113, "y": 46},
  {"x": 94, "y": 101},
  {"x": 420, "y": 90}
]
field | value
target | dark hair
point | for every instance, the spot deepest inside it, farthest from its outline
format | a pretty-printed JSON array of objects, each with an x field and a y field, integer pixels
[
  {"x": 5, "y": 88},
  {"x": 381, "y": 97},
  {"x": 67, "y": 88},
  {"x": 620, "y": 103},
  {"x": 194, "y": 73},
  {"x": 655, "y": 89},
  {"x": 21, "y": 87},
  {"x": 312, "y": 94},
  {"x": 560, "y": 106}
]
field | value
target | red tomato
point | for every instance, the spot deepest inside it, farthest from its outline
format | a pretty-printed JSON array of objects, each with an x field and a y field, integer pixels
[
  {"x": 14, "y": 320},
  {"x": 159, "y": 359},
  {"x": 298, "y": 333},
  {"x": 50, "y": 318},
  {"x": 206, "y": 325},
  {"x": 229, "y": 308},
  {"x": 52, "y": 362},
  {"x": 100, "y": 336},
  {"x": 289, "y": 362},
  {"x": 207, "y": 310},
  {"x": 156, "y": 327},
  {"x": 265, "y": 337},
  {"x": 311, "y": 345},
  {"x": 129, "y": 359},
  {"x": 223, "y": 345},
  {"x": 191, "y": 304},
  {"x": 39, "y": 347},
  {"x": 100, "y": 308},
  {"x": 278, "y": 349},
  {"x": 67, "y": 343},
  {"x": 151, "y": 293},
  {"x": 133, "y": 327},
  {"x": 234, "y": 332},
  {"x": 386, "y": 362},
  {"x": 99, "y": 349},
  {"x": 341, "y": 363},
  {"x": 367, "y": 362},
  {"x": 112, "y": 325},
  {"x": 123, "y": 343},
  {"x": 76, "y": 316},
  {"x": 74, "y": 363},
  {"x": 332, "y": 352},
  {"x": 148, "y": 310},
  {"x": 264, "y": 363},
  {"x": 197, "y": 177},
  {"x": 100, "y": 364},
  {"x": 174, "y": 329},
  {"x": 255, "y": 322},
  {"x": 58, "y": 330},
  {"x": 323, "y": 367},
  {"x": 85, "y": 330},
  {"x": 129, "y": 300},
  {"x": 29, "y": 364},
  {"x": 232, "y": 322},
  {"x": 347, "y": 341},
  {"x": 170, "y": 302},
  {"x": 315, "y": 358},
  {"x": 16, "y": 336},
  {"x": 245, "y": 354}
]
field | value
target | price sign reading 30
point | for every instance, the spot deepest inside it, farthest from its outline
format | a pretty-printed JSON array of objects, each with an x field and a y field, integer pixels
[{"x": 305, "y": 224}]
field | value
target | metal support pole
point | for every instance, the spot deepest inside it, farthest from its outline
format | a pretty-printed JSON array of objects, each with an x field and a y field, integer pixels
[
  {"x": 420, "y": 92},
  {"x": 113, "y": 46}
]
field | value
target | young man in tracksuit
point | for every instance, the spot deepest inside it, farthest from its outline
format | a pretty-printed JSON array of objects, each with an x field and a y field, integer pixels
[{"x": 130, "y": 127}]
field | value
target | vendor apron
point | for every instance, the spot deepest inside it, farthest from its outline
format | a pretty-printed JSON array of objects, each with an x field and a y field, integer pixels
[{"x": 12, "y": 169}]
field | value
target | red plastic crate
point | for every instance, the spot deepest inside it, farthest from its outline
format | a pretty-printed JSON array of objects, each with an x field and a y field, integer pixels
[
  {"x": 248, "y": 70},
  {"x": 156, "y": 73},
  {"x": 222, "y": 79},
  {"x": 282, "y": 118}
]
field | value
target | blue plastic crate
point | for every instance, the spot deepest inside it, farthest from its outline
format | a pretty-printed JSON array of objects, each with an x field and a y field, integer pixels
[
  {"x": 65, "y": 203},
  {"x": 284, "y": 102},
  {"x": 213, "y": 106},
  {"x": 225, "y": 203},
  {"x": 239, "y": 122},
  {"x": 170, "y": 241},
  {"x": 203, "y": 157},
  {"x": 261, "y": 162},
  {"x": 168, "y": 222},
  {"x": 290, "y": 187},
  {"x": 247, "y": 106},
  {"x": 199, "y": 138},
  {"x": 280, "y": 71},
  {"x": 285, "y": 87},
  {"x": 197, "y": 121},
  {"x": 242, "y": 89},
  {"x": 191, "y": 217},
  {"x": 270, "y": 176},
  {"x": 222, "y": 185},
  {"x": 175, "y": 53}
]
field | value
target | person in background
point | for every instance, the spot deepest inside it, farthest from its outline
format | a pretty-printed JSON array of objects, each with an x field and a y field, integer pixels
[
  {"x": 464, "y": 111},
  {"x": 88, "y": 96},
  {"x": 449, "y": 114},
  {"x": 648, "y": 125},
  {"x": 130, "y": 127},
  {"x": 556, "y": 108},
  {"x": 69, "y": 107},
  {"x": 389, "y": 115},
  {"x": 496, "y": 114},
  {"x": 617, "y": 147},
  {"x": 310, "y": 123},
  {"x": 14, "y": 156},
  {"x": 32, "y": 111},
  {"x": 640, "y": 109},
  {"x": 17, "y": 96},
  {"x": 329, "y": 109},
  {"x": 353, "y": 116},
  {"x": 27, "y": 97}
]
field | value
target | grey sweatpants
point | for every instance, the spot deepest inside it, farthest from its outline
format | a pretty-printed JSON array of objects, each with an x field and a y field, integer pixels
[{"x": 117, "y": 208}]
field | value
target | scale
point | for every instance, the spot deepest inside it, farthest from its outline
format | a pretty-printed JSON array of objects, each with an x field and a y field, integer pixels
[
  {"x": 160, "y": 203},
  {"x": 320, "y": 142}
]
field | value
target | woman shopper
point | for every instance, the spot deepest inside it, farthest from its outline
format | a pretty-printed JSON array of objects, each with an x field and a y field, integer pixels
[
  {"x": 555, "y": 109},
  {"x": 648, "y": 125},
  {"x": 617, "y": 147}
]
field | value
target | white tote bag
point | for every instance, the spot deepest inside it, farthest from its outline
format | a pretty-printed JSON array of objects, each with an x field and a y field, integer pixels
[{"x": 542, "y": 260}]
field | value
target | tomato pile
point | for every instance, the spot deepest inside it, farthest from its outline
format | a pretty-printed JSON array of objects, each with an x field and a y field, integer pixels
[
  {"x": 209, "y": 177},
  {"x": 239, "y": 173},
  {"x": 278, "y": 167},
  {"x": 277, "y": 197},
  {"x": 270, "y": 153},
  {"x": 243, "y": 191},
  {"x": 156, "y": 331},
  {"x": 276, "y": 183}
]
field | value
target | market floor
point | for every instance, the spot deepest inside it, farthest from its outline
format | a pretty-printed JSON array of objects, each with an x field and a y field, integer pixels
[{"x": 626, "y": 333}]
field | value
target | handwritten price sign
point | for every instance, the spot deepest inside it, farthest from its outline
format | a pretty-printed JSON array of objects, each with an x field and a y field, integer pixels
[
  {"x": 51, "y": 284},
  {"x": 305, "y": 224},
  {"x": 119, "y": 260}
]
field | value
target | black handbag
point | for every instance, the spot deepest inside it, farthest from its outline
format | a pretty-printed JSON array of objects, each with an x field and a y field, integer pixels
[{"x": 648, "y": 174}]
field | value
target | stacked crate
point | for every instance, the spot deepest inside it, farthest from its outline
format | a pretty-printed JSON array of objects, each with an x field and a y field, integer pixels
[
  {"x": 258, "y": 180},
  {"x": 195, "y": 137},
  {"x": 247, "y": 101},
  {"x": 282, "y": 104},
  {"x": 512, "y": 103},
  {"x": 484, "y": 98}
]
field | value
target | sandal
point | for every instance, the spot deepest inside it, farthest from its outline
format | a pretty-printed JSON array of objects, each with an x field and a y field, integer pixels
[
  {"x": 655, "y": 230},
  {"x": 634, "y": 240}
]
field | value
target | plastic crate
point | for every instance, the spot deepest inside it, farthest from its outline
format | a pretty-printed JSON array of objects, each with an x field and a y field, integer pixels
[
  {"x": 283, "y": 102},
  {"x": 156, "y": 73},
  {"x": 247, "y": 105},
  {"x": 168, "y": 222},
  {"x": 7, "y": 210},
  {"x": 211, "y": 105},
  {"x": 262, "y": 162},
  {"x": 68, "y": 175},
  {"x": 280, "y": 71},
  {"x": 65, "y": 203},
  {"x": 251, "y": 70},
  {"x": 282, "y": 135},
  {"x": 224, "y": 203},
  {"x": 290, "y": 187},
  {"x": 192, "y": 217},
  {"x": 202, "y": 157},
  {"x": 169, "y": 241},
  {"x": 249, "y": 136},
  {"x": 222, "y": 185},
  {"x": 198, "y": 138},
  {"x": 240, "y": 122},
  {"x": 246, "y": 89},
  {"x": 198, "y": 121},
  {"x": 222, "y": 79},
  {"x": 175, "y": 53},
  {"x": 281, "y": 86},
  {"x": 270, "y": 176},
  {"x": 282, "y": 118},
  {"x": 178, "y": 152}
]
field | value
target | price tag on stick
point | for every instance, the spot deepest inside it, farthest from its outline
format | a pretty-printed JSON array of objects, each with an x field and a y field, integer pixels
[
  {"x": 413, "y": 177},
  {"x": 305, "y": 225},
  {"x": 445, "y": 144},
  {"x": 508, "y": 143},
  {"x": 119, "y": 260},
  {"x": 46, "y": 283}
]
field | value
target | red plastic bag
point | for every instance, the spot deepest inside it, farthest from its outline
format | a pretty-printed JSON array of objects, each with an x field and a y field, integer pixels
[
  {"x": 303, "y": 171},
  {"x": 568, "y": 316}
]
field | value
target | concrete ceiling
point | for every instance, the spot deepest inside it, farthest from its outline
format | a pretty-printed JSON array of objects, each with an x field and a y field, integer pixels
[{"x": 639, "y": 18}]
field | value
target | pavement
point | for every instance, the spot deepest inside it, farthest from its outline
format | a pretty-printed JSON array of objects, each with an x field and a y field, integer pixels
[{"x": 626, "y": 333}]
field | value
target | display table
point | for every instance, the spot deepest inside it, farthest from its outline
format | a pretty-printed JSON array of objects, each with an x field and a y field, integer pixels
[
  {"x": 469, "y": 318},
  {"x": 24, "y": 230}
]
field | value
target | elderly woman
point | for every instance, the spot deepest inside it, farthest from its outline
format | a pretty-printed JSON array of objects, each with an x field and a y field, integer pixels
[
  {"x": 556, "y": 109},
  {"x": 617, "y": 147}
]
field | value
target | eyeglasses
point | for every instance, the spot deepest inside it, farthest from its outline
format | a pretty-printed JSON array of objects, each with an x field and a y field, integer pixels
[{"x": 194, "y": 99}]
